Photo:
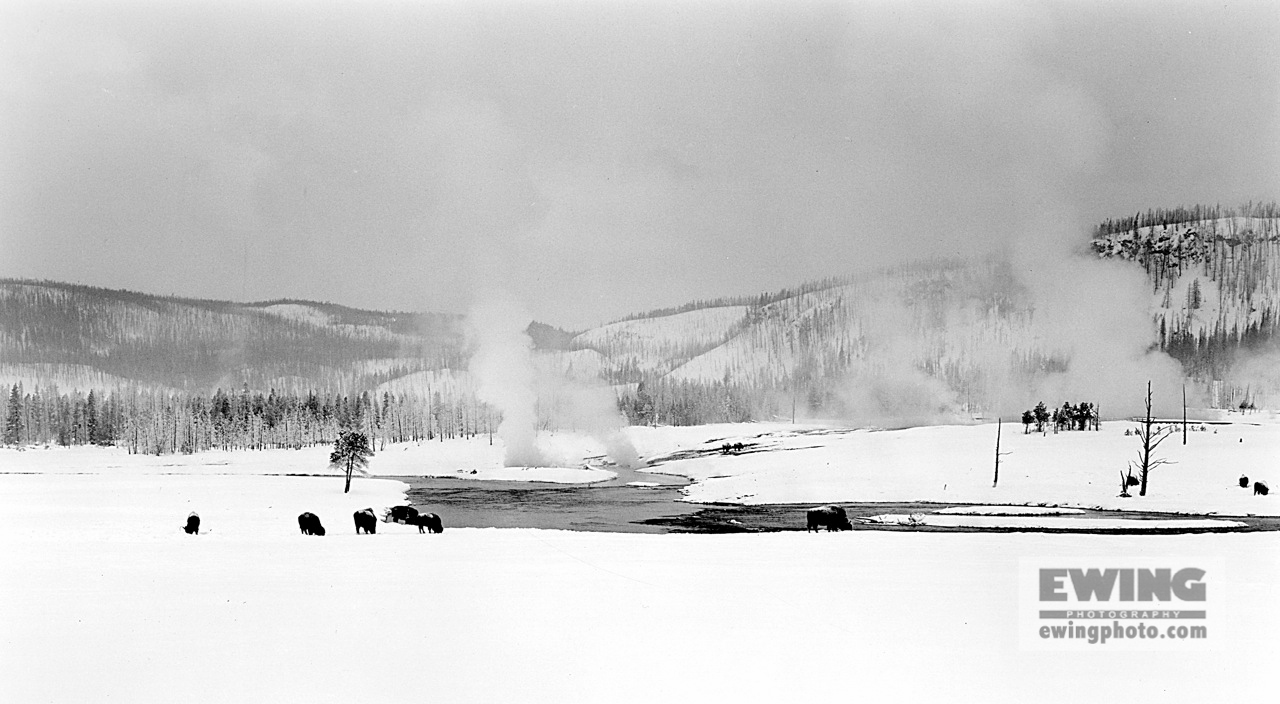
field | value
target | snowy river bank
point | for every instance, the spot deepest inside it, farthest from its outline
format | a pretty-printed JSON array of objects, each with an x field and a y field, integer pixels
[{"x": 106, "y": 599}]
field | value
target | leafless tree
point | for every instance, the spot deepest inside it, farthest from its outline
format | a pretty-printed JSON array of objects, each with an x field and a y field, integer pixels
[
  {"x": 999, "y": 454},
  {"x": 1151, "y": 436}
]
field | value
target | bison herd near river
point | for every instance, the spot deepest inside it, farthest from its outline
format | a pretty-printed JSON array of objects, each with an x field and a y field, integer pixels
[
  {"x": 365, "y": 519},
  {"x": 830, "y": 517}
]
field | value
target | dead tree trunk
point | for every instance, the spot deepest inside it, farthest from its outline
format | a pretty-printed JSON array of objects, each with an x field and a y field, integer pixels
[
  {"x": 1184, "y": 413},
  {"x": 996, "y": 479},
  {"x": 1151, "y": 437}
]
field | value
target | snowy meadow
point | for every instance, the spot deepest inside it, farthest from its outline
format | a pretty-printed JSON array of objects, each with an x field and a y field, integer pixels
[{"x": 106, "y": 599}]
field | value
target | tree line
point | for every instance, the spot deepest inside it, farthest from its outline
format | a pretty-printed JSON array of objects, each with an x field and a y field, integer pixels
[
  {"x": 1196, "y": 213},
  {"x": 153, "y": 422}
]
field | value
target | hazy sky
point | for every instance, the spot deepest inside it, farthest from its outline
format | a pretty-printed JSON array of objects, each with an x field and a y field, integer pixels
[{"x": 601, "y": 158}]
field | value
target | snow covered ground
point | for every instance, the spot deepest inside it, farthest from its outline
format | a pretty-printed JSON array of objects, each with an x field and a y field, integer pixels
[
  {"x": 1051, "y": 522},
  {"x": 812, "y": 463},
  {"x": 955, "y": 464},
  {"x": 105, "y": 599},
  {"x": 472, "y": 458}
]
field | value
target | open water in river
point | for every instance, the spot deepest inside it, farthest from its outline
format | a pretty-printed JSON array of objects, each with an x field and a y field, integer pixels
[{"x": 620, "y": 506}]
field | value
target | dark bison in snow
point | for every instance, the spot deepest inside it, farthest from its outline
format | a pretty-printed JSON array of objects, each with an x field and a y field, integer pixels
[
  {"x": 1260, "y": 488},
  {"x": 401, "y": 514},
  {"x": 429, "y": 522},
  {"x": 193, "y": 524},
  {"x": 1244, "y": 482},
  {"x": 309, "y": 523},
  {"x": 366, "y": 521},
  {"x": 829, "y": 517},
  {"x": 1132, "y": 481}
]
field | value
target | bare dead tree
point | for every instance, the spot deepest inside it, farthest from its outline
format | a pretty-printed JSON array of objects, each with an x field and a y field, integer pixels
[
  {"x": 999, "y": 454},
  {"x": 1151, "y": 436},
  {"x": 1184, "y": 413}
]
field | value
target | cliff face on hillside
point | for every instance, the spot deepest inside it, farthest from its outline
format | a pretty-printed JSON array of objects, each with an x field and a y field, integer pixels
[{"x": 1215, "y": 289}]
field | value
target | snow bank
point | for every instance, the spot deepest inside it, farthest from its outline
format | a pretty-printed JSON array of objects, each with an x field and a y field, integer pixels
[
  {"x": 953, "y": 464},
  {"x": 111, "y": 612},
  {"x": 1051, "y": 522},
  {"x": 152, "y": 509},
  {"x": 1008, "y": 511}
]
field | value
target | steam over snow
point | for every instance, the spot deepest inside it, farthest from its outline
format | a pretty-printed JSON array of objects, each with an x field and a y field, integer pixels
[{"x": 503, "y": 368}]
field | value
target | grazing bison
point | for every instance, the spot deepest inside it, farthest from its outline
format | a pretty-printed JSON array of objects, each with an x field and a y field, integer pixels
[
  {"x": 309, "y": 523},
  {"x": 1260, "y": 488},
  {"x": 366, "y": 521},
  {"x": 401, "y": 514},
  {"x": 1131, "y": 481},
  {"x": 429, "y": 521},
  {"x": 829, "y": 517},
  {"x": 193, "y": 524},
  {"x": 1244, "y": 482}
]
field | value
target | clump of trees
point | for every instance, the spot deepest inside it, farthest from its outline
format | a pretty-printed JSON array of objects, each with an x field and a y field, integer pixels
[{"x": 1081, "y": 416}]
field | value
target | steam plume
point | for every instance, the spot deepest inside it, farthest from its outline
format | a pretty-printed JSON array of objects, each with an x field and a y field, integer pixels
[{"x": 503, "y": 367}]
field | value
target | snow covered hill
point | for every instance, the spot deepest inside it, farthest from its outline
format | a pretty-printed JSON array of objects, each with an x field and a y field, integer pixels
[
  {"x": 953, "y": 339},
  {"x": 921, "y": 342},
  {"x": 81, "y": 337},
  {"x": 647, "y": 345},
  {"x": 1216, "y": 296}
]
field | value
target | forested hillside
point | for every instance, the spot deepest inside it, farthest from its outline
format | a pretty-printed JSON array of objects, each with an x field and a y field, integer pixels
[
  {"x": 938, "y": 340},
  {"x": 932, "y": 340},
  {"x": 161, "y": 374},
  {"x": 63, "y": 334},
  {"x": 1215, "y": 277},
  {"x": 922, "y": 342}
]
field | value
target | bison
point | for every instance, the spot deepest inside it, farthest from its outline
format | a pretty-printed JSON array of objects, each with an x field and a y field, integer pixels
[
  {"x": 1244, "y": 482},
  {"x": 428, "y": 521},
  {"x": 831, "y": 517},
  {"x": 193, "y": 524},
  {"x": 401, "y": 514},
  {"x": 309, "y": 523},
  {"x": 366, "y": 521},
  {"x": 1260, "y": 488},
  {"x": 1131, "y": 481}
]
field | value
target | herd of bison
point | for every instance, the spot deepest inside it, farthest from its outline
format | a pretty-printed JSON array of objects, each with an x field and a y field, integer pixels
[
  {"x": 830, "y": 517},
  {"x": 365, "y": 519}
]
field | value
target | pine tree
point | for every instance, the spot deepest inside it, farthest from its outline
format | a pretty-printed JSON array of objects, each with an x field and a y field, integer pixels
[
  {"x": 1041, "y": 416},
  {"x": 13, "y": 418},
  {"x": 350, "y": 450},
  {"x": 91, "y": 419}
]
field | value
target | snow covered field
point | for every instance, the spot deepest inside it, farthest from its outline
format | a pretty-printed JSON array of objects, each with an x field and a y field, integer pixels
[
  {"x": 454, "y": 458},
  {"x": 105, "y": 599},
  {"x": 954, "y": 464}
]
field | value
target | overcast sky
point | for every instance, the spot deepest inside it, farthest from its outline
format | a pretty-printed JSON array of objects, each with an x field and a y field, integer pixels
[{"x": 601, "y": 158}]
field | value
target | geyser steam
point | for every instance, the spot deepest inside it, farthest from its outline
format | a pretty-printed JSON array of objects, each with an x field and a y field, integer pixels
[{"x": 503, "y": 368}]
